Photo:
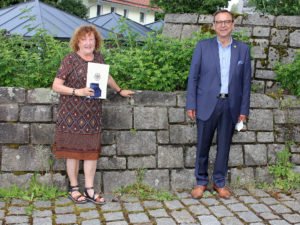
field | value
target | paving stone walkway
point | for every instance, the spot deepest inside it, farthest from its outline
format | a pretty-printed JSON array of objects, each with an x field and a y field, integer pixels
[{"x": 255, "y": 207}]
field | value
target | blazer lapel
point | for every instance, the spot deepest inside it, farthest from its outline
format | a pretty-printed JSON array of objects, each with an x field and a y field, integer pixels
[
  {"x": 233, "y": 58},
  {"x": 215, "y": 50}
]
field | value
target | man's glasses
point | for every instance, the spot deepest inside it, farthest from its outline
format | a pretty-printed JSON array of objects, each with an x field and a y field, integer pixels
[{"x": 223, "y": 22}]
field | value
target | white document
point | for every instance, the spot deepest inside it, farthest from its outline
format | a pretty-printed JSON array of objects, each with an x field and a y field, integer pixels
[
  {"x": 97, "y": 76},
  {"x": 239, "y": 126}
]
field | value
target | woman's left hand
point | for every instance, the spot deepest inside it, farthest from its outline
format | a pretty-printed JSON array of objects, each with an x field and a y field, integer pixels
[{"x": 126, "y": 93}]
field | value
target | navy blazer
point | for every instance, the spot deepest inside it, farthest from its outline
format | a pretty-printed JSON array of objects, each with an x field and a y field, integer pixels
[{"x": 204, "y": 82}]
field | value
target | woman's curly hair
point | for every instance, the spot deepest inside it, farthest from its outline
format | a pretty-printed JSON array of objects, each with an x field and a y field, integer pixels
[{"x": 80, "y": 32}]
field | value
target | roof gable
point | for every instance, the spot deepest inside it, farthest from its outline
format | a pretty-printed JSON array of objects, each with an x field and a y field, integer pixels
[
  {"x": 27, "y": 18},
  {"x": 156, "y": 26},
  {"x": 111, "y": 21}
]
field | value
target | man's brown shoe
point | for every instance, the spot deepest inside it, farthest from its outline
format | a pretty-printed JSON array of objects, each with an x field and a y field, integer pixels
[
  {"x": 223, "y": 192},
  {"x": 198, "y": 191}
]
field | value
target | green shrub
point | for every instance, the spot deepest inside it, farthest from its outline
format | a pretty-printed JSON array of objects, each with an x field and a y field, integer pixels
[
  {"x": 289, "y": 75},
  {"x": 285, "y": 178},
  {"x": 277, "y": 7},
  {"x": 157, "y": 63},
  {"x": 160, "y": 64},
  {"x": 191, "y": 6},
  {"x": 30, "y": 62}
]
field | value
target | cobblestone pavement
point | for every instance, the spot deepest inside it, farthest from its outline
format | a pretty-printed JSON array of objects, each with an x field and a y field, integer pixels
[{"x": 254, "y": 207}]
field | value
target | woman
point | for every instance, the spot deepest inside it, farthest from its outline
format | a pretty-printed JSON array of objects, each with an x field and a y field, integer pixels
[{"x": 78, "y": 126}]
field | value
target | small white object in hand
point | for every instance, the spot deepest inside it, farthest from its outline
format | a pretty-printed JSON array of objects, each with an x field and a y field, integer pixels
[{"x": 239, "y": 126}]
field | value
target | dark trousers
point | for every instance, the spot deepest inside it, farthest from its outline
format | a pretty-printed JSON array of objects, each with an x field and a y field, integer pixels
[{"x": 222, "y": 121}]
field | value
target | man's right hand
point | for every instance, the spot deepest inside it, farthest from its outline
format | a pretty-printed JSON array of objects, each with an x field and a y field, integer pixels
[{"x": 191, "y": 114}]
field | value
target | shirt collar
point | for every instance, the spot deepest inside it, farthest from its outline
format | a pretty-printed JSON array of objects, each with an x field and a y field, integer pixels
[{"x": 220, "y": 44}]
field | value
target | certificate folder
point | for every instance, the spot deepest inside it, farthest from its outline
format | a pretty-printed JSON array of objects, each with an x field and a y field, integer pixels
[{"x": 97, "y": 77}]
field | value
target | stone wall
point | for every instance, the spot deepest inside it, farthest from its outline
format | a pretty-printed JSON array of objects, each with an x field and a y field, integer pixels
[
  {"x": 150, "y": 130},
  {"x": 272, "y": 38}
]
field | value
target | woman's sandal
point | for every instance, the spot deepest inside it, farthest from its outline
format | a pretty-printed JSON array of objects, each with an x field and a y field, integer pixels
[
  {"x": 96, "y": 199},
  {"x": 76, "y": 198}
]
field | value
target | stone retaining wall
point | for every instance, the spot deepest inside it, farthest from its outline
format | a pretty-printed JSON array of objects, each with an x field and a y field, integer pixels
[
  {"x": 150, "y": 130},
  {"x": 272, "y": 38}
]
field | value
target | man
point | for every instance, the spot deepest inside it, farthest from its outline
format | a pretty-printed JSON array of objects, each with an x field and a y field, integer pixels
[{"x": 218, "y": 96}]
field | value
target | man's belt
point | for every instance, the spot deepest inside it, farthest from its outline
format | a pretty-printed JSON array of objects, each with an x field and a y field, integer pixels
[{"x": 223, "y": 96}]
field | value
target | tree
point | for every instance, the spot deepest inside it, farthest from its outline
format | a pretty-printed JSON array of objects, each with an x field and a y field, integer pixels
[
  {"x": 75, "y": 7},
  {"x": 189, "y": 6},
  {"x": 5, "y": 3}
]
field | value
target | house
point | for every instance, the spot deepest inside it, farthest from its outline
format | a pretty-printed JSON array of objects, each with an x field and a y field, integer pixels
[
  {"x": 139, "y": 11},
  {"x": 235, "y": 6},
  {"x": 30, "y": 17},
  {"x": 240, "y": 6}
]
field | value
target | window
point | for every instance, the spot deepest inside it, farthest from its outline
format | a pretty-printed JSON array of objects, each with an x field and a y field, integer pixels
[
  {"x": 99, "y": 10},
  {"x": 125, "y": 13},
  {"x": 112, "y": 9},
  {"x": 142, "y": 17}
]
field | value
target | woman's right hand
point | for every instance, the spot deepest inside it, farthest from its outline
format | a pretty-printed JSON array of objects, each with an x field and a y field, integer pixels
[
  {"x": 59, "y": 87},
  {"x": 85, "y": 92}
]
